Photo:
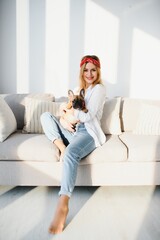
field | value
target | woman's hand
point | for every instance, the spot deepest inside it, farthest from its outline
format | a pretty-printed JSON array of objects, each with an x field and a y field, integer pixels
[
  {"x": 65, "y": 124},
  {"x": 63, "y": 108},
  {"x": 70, "y": 111}
]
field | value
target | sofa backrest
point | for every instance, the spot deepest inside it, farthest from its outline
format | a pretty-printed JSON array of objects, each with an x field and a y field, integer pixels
[{"x": 130, "y": 110}]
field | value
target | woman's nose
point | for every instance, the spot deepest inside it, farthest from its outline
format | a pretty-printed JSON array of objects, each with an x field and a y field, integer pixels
[{"x": 90, "y": 73}]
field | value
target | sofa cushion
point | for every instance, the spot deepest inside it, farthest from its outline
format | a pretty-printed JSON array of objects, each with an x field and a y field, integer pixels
[
  {"x": 8, "y": 123},
  {"x": 34, "y": 109},
  {"x": 148, "y": 122},
  {"x": 131, "y": 109},
  {"x": 28, "y": 147},
  {"x": 17, "y": 103},
  {"x": 113, "y": 150},
  {"x": 141, "y": 148},
  {"x": 110, "y": 121}
]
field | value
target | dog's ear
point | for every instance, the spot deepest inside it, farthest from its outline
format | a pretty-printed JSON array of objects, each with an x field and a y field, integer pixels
[
  {"x": 70, "y": 95},
  {"x": 82, "y": 93}
]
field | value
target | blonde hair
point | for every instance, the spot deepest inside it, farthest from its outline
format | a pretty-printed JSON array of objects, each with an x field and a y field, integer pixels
[{"x": 82, "y": 82}]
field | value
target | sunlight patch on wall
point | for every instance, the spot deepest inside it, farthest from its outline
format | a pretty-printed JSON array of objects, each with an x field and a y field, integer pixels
[
  {"x": 145, "y": 71},
  {"x": 57, "y": 47},
  {"x": 22, "y": 35},
  {"x": 102, "y": 38}
]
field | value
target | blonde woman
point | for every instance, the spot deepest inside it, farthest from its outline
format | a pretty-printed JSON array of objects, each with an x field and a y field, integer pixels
[{"x": 75, "y": 144}]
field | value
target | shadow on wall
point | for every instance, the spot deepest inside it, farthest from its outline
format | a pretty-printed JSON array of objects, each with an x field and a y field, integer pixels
[
  {"x": 37, "y": 43},
  {"x": 49, "y": 43},
  {"x": 76, "y": 38},
  {"x": 143, "y": 15}
]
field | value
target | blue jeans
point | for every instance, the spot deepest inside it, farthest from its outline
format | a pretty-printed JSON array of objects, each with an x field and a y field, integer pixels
[{"x": 79, "y": 144}]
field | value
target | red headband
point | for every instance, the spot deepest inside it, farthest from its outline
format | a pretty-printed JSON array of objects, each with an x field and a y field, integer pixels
[{"x": 91, "y": 60}]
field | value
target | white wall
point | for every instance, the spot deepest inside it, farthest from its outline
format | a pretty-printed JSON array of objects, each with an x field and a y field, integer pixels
[
  {"x": 42, "y": 42},
  {"x": 7, "y": 46}
]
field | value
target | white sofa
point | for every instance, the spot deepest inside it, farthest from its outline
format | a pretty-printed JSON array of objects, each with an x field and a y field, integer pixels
[{"x": 130, "y": 156}]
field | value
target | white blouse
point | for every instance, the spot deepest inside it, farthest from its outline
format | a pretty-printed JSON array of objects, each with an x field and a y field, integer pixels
[{"x": 94, "y": 99}]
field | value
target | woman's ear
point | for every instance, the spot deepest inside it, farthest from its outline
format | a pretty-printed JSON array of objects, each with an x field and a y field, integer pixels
[
  {"x": 70, "y": 95},
  {"x": 82, "y": 93}
]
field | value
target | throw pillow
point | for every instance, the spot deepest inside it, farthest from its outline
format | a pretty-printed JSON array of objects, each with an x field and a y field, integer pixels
[
  {"x": 33, "y": 110},
  {"x": 42, "y": 96},
  {"x": 110, "y": 121},
  {"x": 148, "y": 122},
  {"x": 8, "y": 123}
]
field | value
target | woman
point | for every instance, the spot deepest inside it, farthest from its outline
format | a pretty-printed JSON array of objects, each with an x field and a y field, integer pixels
[{"x": 76, "y": 144}]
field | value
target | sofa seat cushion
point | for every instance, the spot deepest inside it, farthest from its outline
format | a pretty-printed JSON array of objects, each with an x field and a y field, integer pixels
[
  {"x": 113, "y": 150},
  {"x": 142, "y": 148},
  {"x": 28, "y": 147}
]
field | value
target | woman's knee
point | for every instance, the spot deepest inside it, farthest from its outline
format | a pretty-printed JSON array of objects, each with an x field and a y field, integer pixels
[{"x": 45, "y": 116}]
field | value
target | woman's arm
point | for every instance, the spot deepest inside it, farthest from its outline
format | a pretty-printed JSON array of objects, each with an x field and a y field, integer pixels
[{"x": 94, "y": 104}]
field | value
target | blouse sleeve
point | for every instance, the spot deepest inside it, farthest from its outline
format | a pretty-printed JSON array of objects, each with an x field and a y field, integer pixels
[{"x": 94, "y": 104}]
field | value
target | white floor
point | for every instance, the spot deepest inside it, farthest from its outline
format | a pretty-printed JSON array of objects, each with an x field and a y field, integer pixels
[{"x": 104, "y": 213}]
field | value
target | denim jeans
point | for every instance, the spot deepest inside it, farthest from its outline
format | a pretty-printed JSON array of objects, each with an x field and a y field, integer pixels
[{"x": 79, "y": 144}]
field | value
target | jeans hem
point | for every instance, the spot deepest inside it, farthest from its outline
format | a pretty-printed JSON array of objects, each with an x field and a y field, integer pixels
[{"x": 65, "y": 193}]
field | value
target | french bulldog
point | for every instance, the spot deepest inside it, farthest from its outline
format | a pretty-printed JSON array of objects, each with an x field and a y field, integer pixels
[{"x": 77, "y": 101}]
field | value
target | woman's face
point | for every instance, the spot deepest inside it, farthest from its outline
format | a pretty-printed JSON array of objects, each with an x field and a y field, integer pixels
[{"x": 90, "y": 74}]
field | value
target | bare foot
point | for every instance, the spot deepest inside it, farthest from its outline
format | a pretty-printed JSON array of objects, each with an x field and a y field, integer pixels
[
  {"x": 61, "y": 146},
  {"x": 61, "y": 156},
  {"x": 58, "y": 222},
  {"x": 62, "y": 153},
  {"x": 63, "y": 150}
]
